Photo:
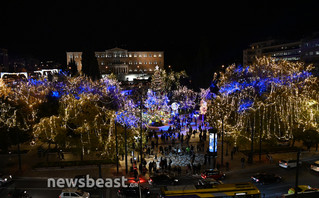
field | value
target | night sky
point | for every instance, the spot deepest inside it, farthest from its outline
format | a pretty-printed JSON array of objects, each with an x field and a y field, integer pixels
[{"x": 196, "y": 36}]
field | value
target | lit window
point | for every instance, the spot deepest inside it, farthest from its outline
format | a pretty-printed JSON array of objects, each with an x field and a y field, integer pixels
[
  {"x": 102, "y": 63},
  {"x": 135, "y": 55},
  {"x": 135, "y": 62},
  {"x": 317, "y": 52},
  {"x": 71, "y": 56},
  {"x": 140, "y": 62},
  {"x": 140, "y": 55},
  {"x": 130, "y": 63},
  {"x": 159, "y": 55},
  {"x": 145, "y": 55},
  {"x": 150, "y": 69},
  {"x": 155, "y": 55}
]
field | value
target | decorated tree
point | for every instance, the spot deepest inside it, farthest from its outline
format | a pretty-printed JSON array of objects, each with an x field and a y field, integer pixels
[
  {"x": 266, "y": 99},
  {"x": 186, "y": 98},
  {"x": 157, "y": 108}
]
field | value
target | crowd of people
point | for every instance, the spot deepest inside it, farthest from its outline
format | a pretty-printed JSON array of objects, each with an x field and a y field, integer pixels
[{"x": 177, "y": 140}]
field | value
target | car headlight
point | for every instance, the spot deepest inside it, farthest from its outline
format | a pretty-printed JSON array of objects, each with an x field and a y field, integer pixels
[
  {"x": 5, "y": 179},
  {"x": 175, "y": 180},
  {"x": 10, "y": 176}
]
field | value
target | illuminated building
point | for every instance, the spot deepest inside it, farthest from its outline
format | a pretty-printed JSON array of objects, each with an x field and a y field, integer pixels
[
  {"x": 122, "y": 61},
  {"x": 4, "y": 61},
  {"x": 305, "y": 50}
]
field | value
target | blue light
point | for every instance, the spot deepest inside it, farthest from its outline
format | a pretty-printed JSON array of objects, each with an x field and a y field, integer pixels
[
  {"x": 246, "y": 105},
  {"x": 56, "y": 94}
]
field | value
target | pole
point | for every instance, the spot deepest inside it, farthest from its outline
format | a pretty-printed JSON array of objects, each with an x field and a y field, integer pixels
[
  {"x": 117, "y": 149},
  {"x": 252, "y": 143},
  {"x": 260, "y": 134},
  {"x": 297, "y": 172},
  {"x": 100, "y": 176},
  {"x": 141, "y": 128},
  {"x": 19, "y": 154},
  {"x": 125, "y": 138},
  {"x": 222, "y": 155}
]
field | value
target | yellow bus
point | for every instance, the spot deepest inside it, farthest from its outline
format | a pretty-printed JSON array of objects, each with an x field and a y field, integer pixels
[{"x": 237, "y": 190}]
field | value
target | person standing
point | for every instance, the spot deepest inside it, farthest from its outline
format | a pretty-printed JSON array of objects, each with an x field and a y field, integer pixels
[{"x": 242, "y": 162}]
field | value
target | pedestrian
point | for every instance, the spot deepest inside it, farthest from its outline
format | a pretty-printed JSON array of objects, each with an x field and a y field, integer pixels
[
  {"x": 150, "y": 167},
  {"x": 242, "y": 162},
  {"x": 227, "y": 166}
]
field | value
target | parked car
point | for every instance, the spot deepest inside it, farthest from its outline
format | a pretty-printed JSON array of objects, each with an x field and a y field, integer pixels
[
  {"x": 302, "y": 189},
  {"x": 288, "y": 163},
  {"x": 213, "y": 173},
  {"x": 315, "y": 166},
  {"x": 18, "y": 193},
  {"x": 5, "y": 179},
  {"x": 162, "y": 179},
  {"x": 208, "y": 182},
  {"x": 266, "y": 178},
  {"x": 133, "y": 191},
  {"x": 73, "y": 193}
]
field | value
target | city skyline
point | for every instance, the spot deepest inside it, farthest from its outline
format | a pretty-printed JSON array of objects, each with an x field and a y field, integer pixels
[{"x": 203, "y": 36}]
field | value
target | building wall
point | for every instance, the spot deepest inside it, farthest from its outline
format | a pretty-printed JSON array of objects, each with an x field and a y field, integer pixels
[
  {"x": 77, "y": 56},
  {"x": 288, "y": 51},
  {"x": 4, "y": 60},
  {"x": 119, "y": 60}
]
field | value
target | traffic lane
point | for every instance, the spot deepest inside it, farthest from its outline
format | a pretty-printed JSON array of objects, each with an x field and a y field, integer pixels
[
  {"x": 38, "y": 188},
  {"x": 306, "y": 177}
]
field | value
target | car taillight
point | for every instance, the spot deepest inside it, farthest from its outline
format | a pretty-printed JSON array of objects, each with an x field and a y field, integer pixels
[{"x": 257, "y": 180}]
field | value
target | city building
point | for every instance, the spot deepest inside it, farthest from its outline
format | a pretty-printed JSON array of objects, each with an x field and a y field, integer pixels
[
  {"x": 4, "y": 60},
  {"x": 121, "y": 61},
  {"x": 305, "y": 50}
]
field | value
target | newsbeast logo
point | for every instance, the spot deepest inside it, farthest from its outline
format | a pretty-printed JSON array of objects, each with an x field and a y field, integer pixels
[{"x": 86, "y": 182}]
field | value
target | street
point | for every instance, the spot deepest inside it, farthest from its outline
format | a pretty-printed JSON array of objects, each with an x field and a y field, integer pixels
[{"x": 37, "y": 187}]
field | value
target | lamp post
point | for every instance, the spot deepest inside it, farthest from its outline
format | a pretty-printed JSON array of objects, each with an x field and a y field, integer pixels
[
  {"x": 196, "y": 116},
  {"x": 116, "y": 148},
  {"x": 222, "y": 154},
  {"x": 141, "y": 126},
  {"x": 125, "y": 139}
]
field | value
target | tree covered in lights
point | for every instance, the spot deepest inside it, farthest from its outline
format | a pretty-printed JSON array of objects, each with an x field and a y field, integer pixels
[
  {"x": 163, "y": 81},
  {"x": 186, "y": 98},
  {"x": 157, "y": 108},
  {"x": 268, "y": 98}
]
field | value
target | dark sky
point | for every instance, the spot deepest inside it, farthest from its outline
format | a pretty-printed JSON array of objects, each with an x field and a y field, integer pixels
[{"x": 194, "y": 35}]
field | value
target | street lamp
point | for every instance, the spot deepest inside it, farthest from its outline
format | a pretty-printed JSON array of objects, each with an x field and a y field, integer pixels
[{"x": 196, "y": 116}]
